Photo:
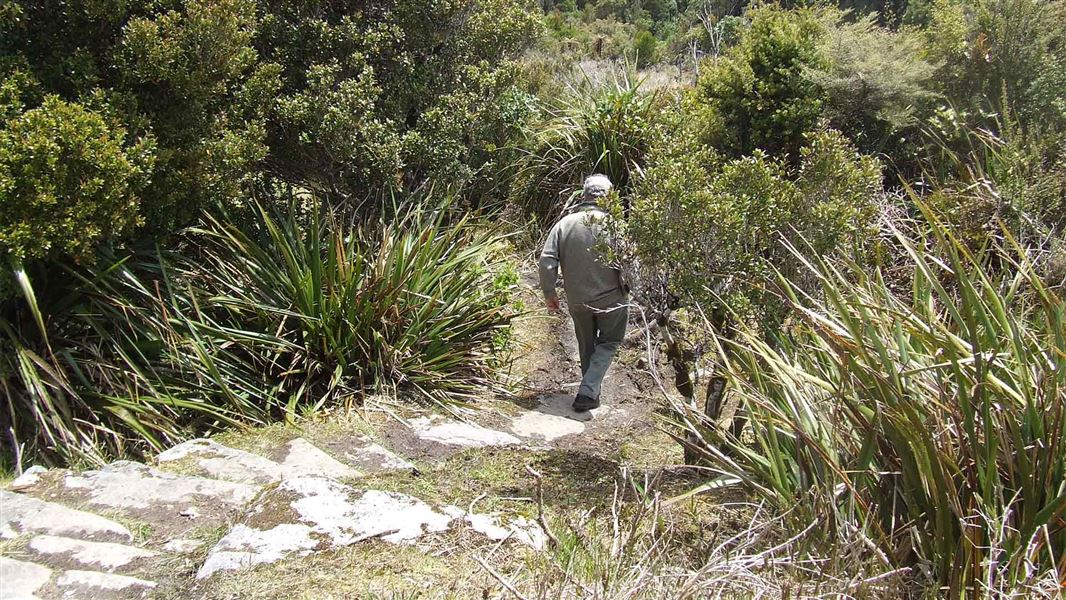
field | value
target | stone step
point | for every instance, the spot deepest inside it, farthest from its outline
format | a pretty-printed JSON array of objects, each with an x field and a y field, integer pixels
[
  {"x": 24, "y": 514},
  {"x": 297, "y": 458},
  {"x": 436, "y": 437},
  {"x": 210, "y": 459},
  {"x": 308, "y": 514},
  {"x": 61, "y": 551},
  {"x": 21, "y": 580},
  {"x": 555, "y": 418},
  {"x": 362, "y": 453},
  {"x": 301, "y": 458},
  {"x": 101, "y": 586},
  {"x": 171, "y": 504}
]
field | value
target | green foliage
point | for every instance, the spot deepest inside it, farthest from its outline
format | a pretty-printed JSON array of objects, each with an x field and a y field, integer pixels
[
  {"x": 645, "y": 49},
  {"x": 349, "y": 99},
  {"x": 876, "y": 83},
  {"x": 181, "y": 73},
  {"x": 68, "y": 182},
  {"x": 987, "y": 180},
  {"x": 269, "y": 318},
  {"x": 930, "y": 421},
  {"x": 709, "y": 231},
  {"x": 1002, "y": 56},
  {"x": 761, "y": 86},
  {"x": 390, "y": 96}
]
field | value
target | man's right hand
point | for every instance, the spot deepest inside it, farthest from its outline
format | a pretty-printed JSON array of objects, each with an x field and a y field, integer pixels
[{"x": 552, "y": 304}]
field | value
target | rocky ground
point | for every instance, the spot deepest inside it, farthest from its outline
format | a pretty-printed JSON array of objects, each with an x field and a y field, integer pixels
[{"x": 391, "y": 500}]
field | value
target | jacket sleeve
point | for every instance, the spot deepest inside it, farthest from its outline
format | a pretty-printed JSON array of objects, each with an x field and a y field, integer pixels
[{"x": 549, "y": 264}]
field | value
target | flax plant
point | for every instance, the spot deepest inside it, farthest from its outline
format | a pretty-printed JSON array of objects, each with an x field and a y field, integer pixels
[
  {"x": 271, "y": 318},
  {"x": 593, "y": 128},
  {"x": 932, "y": 423}
]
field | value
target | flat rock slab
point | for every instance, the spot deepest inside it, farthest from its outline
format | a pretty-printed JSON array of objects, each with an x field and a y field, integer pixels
[
  {"x": 301, "y": 458},
  {"x": 307, "y": 514},
  {"x": 172, "y": 504},
  {"x": 90, "y": 555},
  {"x": 460, "y": 434},
  {"x": 364, "y": 455},
  {"x": 21, "y": 580},
  {"x": 92, "y": 584},
  {"x": 23, "y": 514},
  {"x": 208, "y": 458},
  {"x": 554, "y": 418},
  {"x": 29, "y": 478},
  {"x": 498, "y": 528},
  {"x": 436, "y": 438},
  {"x": 182, "y": 546}
]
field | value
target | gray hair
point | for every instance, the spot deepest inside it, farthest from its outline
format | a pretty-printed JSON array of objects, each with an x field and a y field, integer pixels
[{"x": 596, "y": 186}]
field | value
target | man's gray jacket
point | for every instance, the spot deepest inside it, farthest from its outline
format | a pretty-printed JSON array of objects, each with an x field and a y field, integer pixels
[{"x": 572, "y": 243}]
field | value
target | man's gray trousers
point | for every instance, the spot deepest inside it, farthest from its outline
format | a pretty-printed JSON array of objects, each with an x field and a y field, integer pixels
[{"x": 599, "y": 333}]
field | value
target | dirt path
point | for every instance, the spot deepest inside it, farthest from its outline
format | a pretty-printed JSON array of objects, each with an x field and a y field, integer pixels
[
  {"x": 397, "y": 500},
  {"x": 547, "y": 373}
]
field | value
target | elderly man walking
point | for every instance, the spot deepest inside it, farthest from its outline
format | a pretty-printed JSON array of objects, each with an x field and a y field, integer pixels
[{"x": 595, "y": 293}]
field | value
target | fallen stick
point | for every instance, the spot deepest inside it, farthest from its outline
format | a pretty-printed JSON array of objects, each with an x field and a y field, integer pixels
[
  {"x": 553, "y": 541},
  {"x": 500, "y": 578}
]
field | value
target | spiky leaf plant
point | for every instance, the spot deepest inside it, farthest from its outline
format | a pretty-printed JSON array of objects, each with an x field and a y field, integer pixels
[
  {"x": 934, "y": 423},
  {"x": 282, "y": 314}
]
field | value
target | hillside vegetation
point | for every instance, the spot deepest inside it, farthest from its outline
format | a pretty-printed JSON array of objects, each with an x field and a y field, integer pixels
[{"x": 846, "y": 225}]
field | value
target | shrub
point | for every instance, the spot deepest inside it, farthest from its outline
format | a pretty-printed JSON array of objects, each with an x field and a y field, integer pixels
[
  {"x": 68, "y": 182},
  {"x": 985, "y": 180},
  {"x": 761, "y": 86},
  {"x": 645, "y": 49},
  {"x": 877, "y": 84},
  {"x": 929, "y": 421},
  {"x": 390, "y": 96},
  {"x": 1000, "y": 57},
  {"x": 183, "y": 73},
  {"x": 707, "y": 229}
]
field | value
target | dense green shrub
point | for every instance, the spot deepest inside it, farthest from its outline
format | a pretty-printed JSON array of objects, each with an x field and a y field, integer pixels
[
  {"x": 761, "y": 87},
  {"x": 1002, "y": 56},
  {"x": 645, "y": 49},
  {"x": 391, "y": 95},
  {"x": 710, "y": 230},
  {"x": 877, "y": 85},
  {"x": 264, "y": 320},
  {"x": 68, "y": 182},
  {"x": 348, "y": 98},
  {"x": 184, "y": 73}
]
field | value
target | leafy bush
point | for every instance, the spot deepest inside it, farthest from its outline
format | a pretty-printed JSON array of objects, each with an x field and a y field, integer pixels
[
  {"x": 761, "y": 86},
  {"x": 877, "y": 84},
  {"x": 68, "y": 182},
  {"x": 707, "y": 229},
  {"x": 268, "y": 317},
  {"x": 645, "y": 49},
  {"x": 389, "y": 96},
  {"x": 183, "y": 73},
  {"x": 931, "y": 421},
  {"x": 1002, "y": 56}
]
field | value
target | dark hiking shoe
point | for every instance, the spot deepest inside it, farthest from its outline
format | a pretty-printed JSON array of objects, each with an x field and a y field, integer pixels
[{"x": 584, "y": 403}]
